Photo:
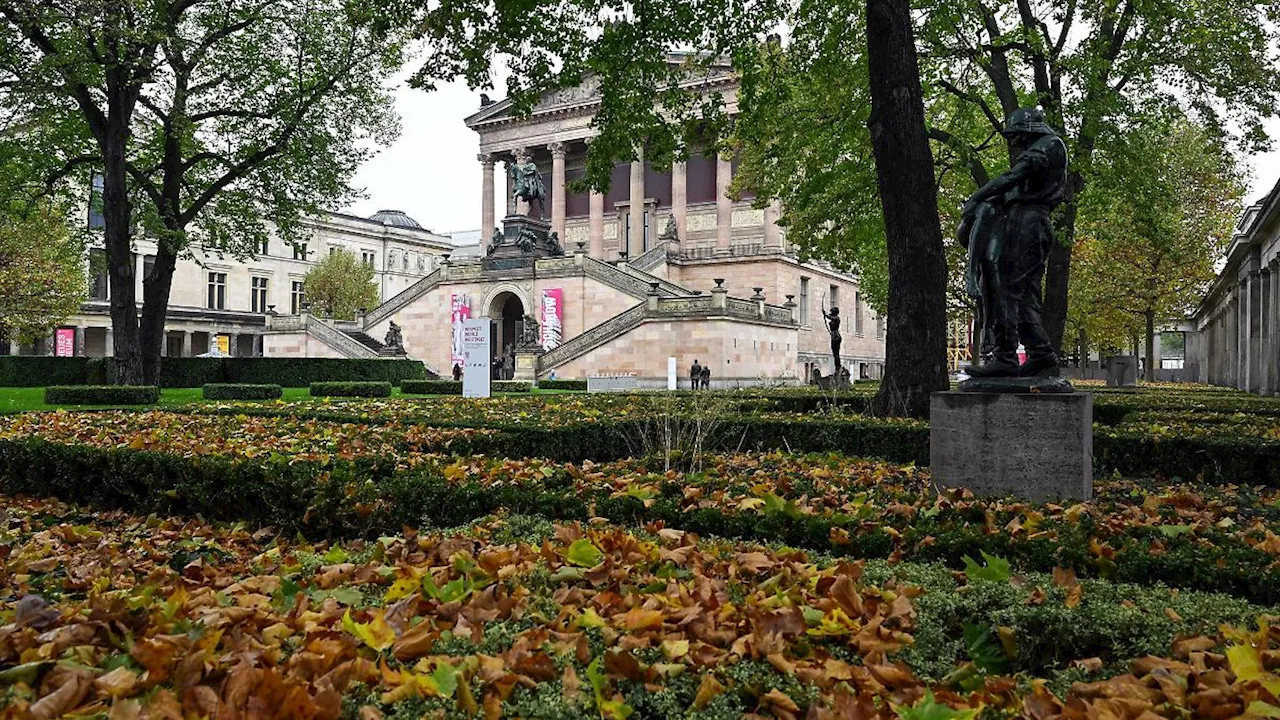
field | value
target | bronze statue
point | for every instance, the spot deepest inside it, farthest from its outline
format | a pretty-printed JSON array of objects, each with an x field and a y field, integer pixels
[
  {"x": 394, "y": 340},
  {"x": 527, "y": 185},
  {"x": 832, "y": 320},
  {"x": 1007, "y": 231},
  {"x": 495, "y": 242}
]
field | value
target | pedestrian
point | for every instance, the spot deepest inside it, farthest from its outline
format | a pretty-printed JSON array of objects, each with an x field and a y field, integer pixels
[
  {"x": 695, "y": 375},
  {"x": 706, "y": 376},
  {"x": 457, "y": 372}
]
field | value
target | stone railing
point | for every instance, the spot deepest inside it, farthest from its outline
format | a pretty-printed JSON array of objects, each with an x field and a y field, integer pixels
[
  {"x": 665, "y": 287},
  {"x": 337, "y": 339},
  {"x": 286, "y": 323},
  {"x": 652, "y": 258},
  {"x": 682, "y": 306},
  {"x": 615, "y": 278},
  {"x": 403, "y": 298},
  {"x": 593, "y": 338},
  {"x": 741, "y": 308},
  {"x": 779, "y": 314}
]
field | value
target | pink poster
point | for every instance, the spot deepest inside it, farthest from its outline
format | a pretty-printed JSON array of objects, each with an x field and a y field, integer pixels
[
  {"x": 551, "y": 317},
  {"x": 66, "y": 342},
  {"x": 459, "y": 311}
]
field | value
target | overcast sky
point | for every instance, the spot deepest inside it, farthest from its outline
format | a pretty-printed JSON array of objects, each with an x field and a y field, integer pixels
[{"x": 432, "y": 173}]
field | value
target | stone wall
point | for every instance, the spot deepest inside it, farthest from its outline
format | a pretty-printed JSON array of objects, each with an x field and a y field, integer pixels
[{"x": 296, "y": 344}]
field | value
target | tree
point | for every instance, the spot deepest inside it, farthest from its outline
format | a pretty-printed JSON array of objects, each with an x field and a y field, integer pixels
[
  {"x": 210, "y": 120},
  {"x": 1164, "y": 209},
  {"x": 339, "y": 285},
  {"x": 42, "y": 277},
  {"x": 916, "y": 344},
  {"x": 1091, "y": 65}
]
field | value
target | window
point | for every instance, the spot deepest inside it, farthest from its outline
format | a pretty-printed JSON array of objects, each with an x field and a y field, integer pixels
[
  {"x": 646, "y": 231},
  {"x": 804, "y": 301},
  {"x": 258, "y": 295},
  {"x": 96, "y": 221},
  {"x": 98, "y": 266},
  {"x": 857, "y": 313},
  {"x": 217, "y": 291},
  {"x": 299, "y": 251},
  {"x": 263, "y": 245},
  {"x": 833, "y": 298},
  {"x": 148, "y": 264},
  {"x": 879, "y": 327},
  {"x": 366, "y": 257},
  {"x": 296, "y": 297}
]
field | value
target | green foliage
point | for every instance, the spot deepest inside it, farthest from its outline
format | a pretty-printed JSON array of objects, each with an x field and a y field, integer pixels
[
  {"x": 562, "y": 384},
  {"x": 351, "y": 389},
  {"x": 101, "y": 395},
  {"x": 38, "y": 371},
  {"x": 996, "y": 568},
  {"x": 511, "y": 386},
  {"x": 240, "y": 391},
  {"x": 42, "y": 279},
  {"x": 339, "y": 285},
  {"x": 33, "y": 371},
  {"x": 431, "y": 387}
]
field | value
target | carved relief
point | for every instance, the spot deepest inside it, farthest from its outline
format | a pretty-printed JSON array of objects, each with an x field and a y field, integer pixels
[
  {"x": 588, "y": 90},
  {"x": 577, "y": 233},
  {"x": 748, "y": 217},
  {"x": 698, "y": 223},
  {"x": 610, "y": 231}
]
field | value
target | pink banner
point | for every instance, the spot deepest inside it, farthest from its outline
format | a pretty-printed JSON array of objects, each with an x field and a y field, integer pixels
[
  {"x": 459, "y": 311},
  {"x": 551, "y": 317},
  {"x": 66, "y": 342}
]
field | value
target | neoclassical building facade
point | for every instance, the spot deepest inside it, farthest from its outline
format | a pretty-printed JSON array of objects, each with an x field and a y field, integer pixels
[
  {"x": 1236, "y": 330},
  {"x": 218, "y": 301}
]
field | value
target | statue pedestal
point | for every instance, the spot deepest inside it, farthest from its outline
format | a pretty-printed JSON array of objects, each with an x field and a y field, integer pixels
[
  {"x": 527, "y": 363},
  {"x": 1034, "y": 446},
  {"x": 1122, "y": 371}
]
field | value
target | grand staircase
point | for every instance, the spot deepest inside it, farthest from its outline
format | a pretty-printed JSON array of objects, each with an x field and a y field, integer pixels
[{"x": 364, "y": 339}]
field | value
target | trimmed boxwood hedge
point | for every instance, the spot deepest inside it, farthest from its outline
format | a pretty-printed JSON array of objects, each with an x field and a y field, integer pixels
[
  {"x": 351, "y": 389},
  {"x": 101, "y": 395},
  {"x": 33, "y": 371},
  {"x": 562, "y": 384},
  {"x": 511, "y": 386},
  {"x": 240, "y": 391},
  {"x": 431, "y": 387}
]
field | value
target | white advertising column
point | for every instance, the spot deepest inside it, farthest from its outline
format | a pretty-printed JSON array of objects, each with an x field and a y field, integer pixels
[
  {"x": 475, "y": 354},
  {"x": 671, "y": 373}
]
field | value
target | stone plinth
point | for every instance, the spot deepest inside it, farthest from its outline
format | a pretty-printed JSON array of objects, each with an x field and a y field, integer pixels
[
  {"x": 1035, "y": 446},
  {"x": 1122, "y": 371},
  {"x": 527, "y": 364}
]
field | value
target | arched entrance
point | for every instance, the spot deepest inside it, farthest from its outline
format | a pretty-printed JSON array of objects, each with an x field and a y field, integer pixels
[{"x": 506, "y": 312}]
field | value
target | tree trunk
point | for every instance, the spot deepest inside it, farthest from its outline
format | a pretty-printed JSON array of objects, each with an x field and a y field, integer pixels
[
  {"x": 155, "y": 304},
  {"x": 1151, "y": 345},
  {"x": 916, "y": 344},
  {"x": 117, "y": 236},
  {"x": 1057, "y": 276}
]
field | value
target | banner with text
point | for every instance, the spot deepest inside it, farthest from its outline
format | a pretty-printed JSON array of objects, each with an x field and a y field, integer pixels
[
  {"x": 475, "y": 358},
  {"x": 459, "y": 312},
  {"x": 66, "y": 342},
  {"x": 552, "y": 318}
]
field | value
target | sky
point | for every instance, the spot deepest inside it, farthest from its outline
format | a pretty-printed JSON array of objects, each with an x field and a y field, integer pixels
[{"x": 431, "y": 171}]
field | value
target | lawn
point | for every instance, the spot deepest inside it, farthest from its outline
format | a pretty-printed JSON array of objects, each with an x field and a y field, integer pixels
[{"x": 24, "y": 399}]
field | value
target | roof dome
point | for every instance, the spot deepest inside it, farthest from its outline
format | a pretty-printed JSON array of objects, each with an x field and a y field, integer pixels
[{"x": 395, "y": 218}]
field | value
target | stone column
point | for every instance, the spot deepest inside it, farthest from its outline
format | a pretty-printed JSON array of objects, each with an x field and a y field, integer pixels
[
  {"x": 186, "y": 343},
  {"x": 680, "y": 200},
  {"x": 1241, "y": 337},
  {"x": 557, "y": 188},
  {"x": 1274, "y": 357},
  {"x": 635, "y": 239},
  {"x": 79, "y": 348},
  {"x": 487, "y": 221},
  {"x": 596, "y": 237},
  {"x": 772, "y": 233},
  {"x": 522, "y": 156},
  {"x": 511, "y": 202},
  {"x": 1268, "y": 333},
  {"x": 724, "y": 206},
  {"x": 111, "y": 343},
  {"x": 1255, "y": 332}
]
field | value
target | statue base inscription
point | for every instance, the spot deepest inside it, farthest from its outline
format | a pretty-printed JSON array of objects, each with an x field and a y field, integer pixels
[{"x": 1035, "y": 446}]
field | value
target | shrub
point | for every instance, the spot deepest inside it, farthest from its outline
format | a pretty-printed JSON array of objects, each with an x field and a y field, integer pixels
[
  {"x": 241, "y": 391},
  {"x": 301, "y": 372},
  {"x": 562, "y": 384},
  {"x": 431, "y": 387},
  {"x": 101, "y": 395},
  {"x": 39, "y": 371},
  {"x": 190, "y": 372},
  {"x": 351, "y": 389},
  {"x": 511, "y": 386}
]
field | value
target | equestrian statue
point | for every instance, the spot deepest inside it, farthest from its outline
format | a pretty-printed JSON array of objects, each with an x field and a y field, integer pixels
[{"x": 526, "y": 184}]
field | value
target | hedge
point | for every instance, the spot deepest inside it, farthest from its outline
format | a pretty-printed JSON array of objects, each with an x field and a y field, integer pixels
[
  {"x": 241, "y": 391},
  {"x": 35, "y": 371},
  {"x": 511, "y": 386},
  {"x": 101, "y": 395},
  {"x": 431, "y": 387},
  {"x": 562, "y": 384},
  {"x": 365, "y": 498},
  {"x": 367, "y": 389}
]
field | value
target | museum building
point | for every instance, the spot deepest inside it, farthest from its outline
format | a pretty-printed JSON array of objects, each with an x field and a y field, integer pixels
[{"x": 663, "y": 264}]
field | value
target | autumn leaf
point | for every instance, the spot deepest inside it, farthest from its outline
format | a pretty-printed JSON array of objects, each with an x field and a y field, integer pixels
[
  {"x": 376, "y": 633},
  {"x": 583, "y": 553}
]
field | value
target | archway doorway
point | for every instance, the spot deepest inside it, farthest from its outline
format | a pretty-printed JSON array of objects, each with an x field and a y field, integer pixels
[{"x": 507, "y": 315}]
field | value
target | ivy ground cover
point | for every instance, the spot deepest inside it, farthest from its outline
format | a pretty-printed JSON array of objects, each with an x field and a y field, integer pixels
[{"x": 122, "y": 616}]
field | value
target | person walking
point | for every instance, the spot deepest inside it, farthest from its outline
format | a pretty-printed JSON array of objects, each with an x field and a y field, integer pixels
[
  {"x": 695, "y": 375},
  {"x": 706, "y": 376},
  {"x": 457, "y": 372}
]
